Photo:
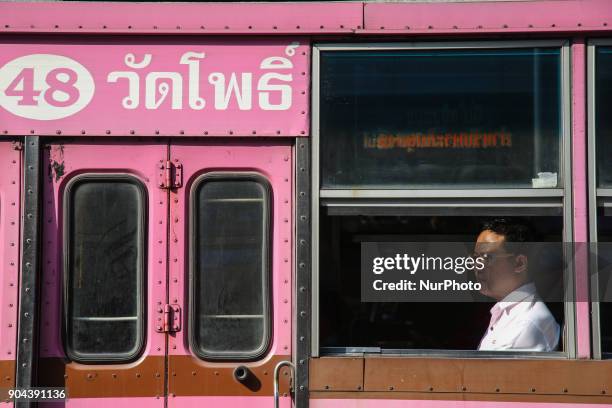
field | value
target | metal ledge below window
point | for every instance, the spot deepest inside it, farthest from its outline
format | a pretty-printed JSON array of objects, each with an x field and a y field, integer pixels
[
  {"x": 441, "y": 193},
  {"x": 416, "y": 353},
  {"x": 483, "y": 206}
]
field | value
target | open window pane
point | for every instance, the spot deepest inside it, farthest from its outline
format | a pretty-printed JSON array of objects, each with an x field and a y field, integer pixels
[
  {"x": 104, "y": 267},
  {"x": 230, "y": 306},
  {"x": 347, "y": 321},
  {"x": 440, "y": 118},
  {"x": 603, "y": 118}
]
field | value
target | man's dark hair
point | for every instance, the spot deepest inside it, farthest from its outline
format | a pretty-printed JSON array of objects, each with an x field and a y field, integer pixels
[{"x": 512, "y": 230}]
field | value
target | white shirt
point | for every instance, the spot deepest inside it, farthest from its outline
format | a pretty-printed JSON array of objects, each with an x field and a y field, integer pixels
[{"x": 521, "y": 321}]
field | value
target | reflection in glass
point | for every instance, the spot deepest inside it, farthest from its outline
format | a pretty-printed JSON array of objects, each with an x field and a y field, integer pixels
[
  {"x": 603, "y": 114},
  {"x": 440, "y": 118},
  {"x": 105, "y": 239},
  {"x": 230, "y": 271}
]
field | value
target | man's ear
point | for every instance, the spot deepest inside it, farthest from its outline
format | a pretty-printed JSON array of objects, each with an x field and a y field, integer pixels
[{"x": 520, "y": 264}]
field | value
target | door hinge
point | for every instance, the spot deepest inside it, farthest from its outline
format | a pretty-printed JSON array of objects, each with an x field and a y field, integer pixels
[
  {"x": 170, "y": 174},
  {"x": 171, "y": 319}
]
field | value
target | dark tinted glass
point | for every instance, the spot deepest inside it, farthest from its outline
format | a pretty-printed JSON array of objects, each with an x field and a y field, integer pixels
[
  {"x": 105, "y": 239},
  {"x": 440, "y": 118},
  {"x": 230, "y": 272},
  {"x": 604, "y": 237},
  {"x": 346, "y": 321},
  {"x": 603, "y": 117}
]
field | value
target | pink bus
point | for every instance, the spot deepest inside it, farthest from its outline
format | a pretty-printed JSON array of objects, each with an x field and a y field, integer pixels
[{"x": 190, "y": 190}]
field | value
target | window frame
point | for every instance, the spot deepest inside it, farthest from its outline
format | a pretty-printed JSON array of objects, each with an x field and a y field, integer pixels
[
  {"x": 141, "y": 327},
  {"x": 598, "y": 197},
  {"x": 437, "y": 199},
  {"x": 266, "y": 261}
]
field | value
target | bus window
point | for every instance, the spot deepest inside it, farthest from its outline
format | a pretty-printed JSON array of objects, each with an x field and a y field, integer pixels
[
  {"x": 347, "y": 321},
  {"x": 104, "y": 236},
  {"x": 603, "y": 131},
  {"x": 489, "y": 118},
  {"x": 230, "y": 266}
]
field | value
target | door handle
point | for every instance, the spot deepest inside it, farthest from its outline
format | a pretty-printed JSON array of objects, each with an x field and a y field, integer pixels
[{"x": 276, "y": 380}]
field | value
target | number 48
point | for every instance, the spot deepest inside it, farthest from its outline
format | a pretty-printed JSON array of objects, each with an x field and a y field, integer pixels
[{"x": 58, "y": 80}]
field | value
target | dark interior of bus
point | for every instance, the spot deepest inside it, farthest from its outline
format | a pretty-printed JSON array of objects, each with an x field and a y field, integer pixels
[
  {"x": 346, "y": 321},
  {"x": 604, "y": 223}
]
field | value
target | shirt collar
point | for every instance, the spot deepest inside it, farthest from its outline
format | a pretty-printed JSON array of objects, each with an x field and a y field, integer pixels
[{"x": 518, "y": 295}]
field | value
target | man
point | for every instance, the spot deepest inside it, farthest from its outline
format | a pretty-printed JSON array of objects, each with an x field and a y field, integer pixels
[{"x": 520, "y": 320}]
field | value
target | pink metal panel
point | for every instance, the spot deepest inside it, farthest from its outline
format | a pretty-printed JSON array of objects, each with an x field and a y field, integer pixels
[
  {"x": 180, "y": 18},
  {"x": 65, "y": 161},
  {"x": 9, "y": 246},
  {"x": 579, "y": 197},
  {"x": 216, "y": 87},
  {"x": 387, "y": 403},
  {"x": 274, "y": 162},
  {"x": 487, "y": 17},
  {"x": 229, "y": 402},
  {"x": 132, "y": 402}
]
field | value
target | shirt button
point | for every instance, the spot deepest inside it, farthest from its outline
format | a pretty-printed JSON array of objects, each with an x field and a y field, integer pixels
[{"x": 493, "y": 342}]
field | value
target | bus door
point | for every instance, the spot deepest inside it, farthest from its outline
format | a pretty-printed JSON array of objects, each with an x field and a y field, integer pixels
[
  {"x": 230, "y": 240},
  {"x": 104, "y": 267}
]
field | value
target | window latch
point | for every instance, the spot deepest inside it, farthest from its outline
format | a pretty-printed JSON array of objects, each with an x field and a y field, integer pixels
[
  {"x": 171, "y": 319},
  {"x": 170, "y": 174}
]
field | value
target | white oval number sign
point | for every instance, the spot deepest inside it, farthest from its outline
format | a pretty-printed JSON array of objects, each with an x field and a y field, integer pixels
[{"x": 45, "y": 86}]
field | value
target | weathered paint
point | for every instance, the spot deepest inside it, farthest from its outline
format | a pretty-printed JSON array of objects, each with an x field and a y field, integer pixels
[
  {"x": 274, "y": 162},
  {"x": 181, "y": 18},
  {"x": 10, "y": 221},
  {"x": 579, "y": 197},
  {"x": 488, "y": 17},
  {"x": 140, "y": 160}
]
